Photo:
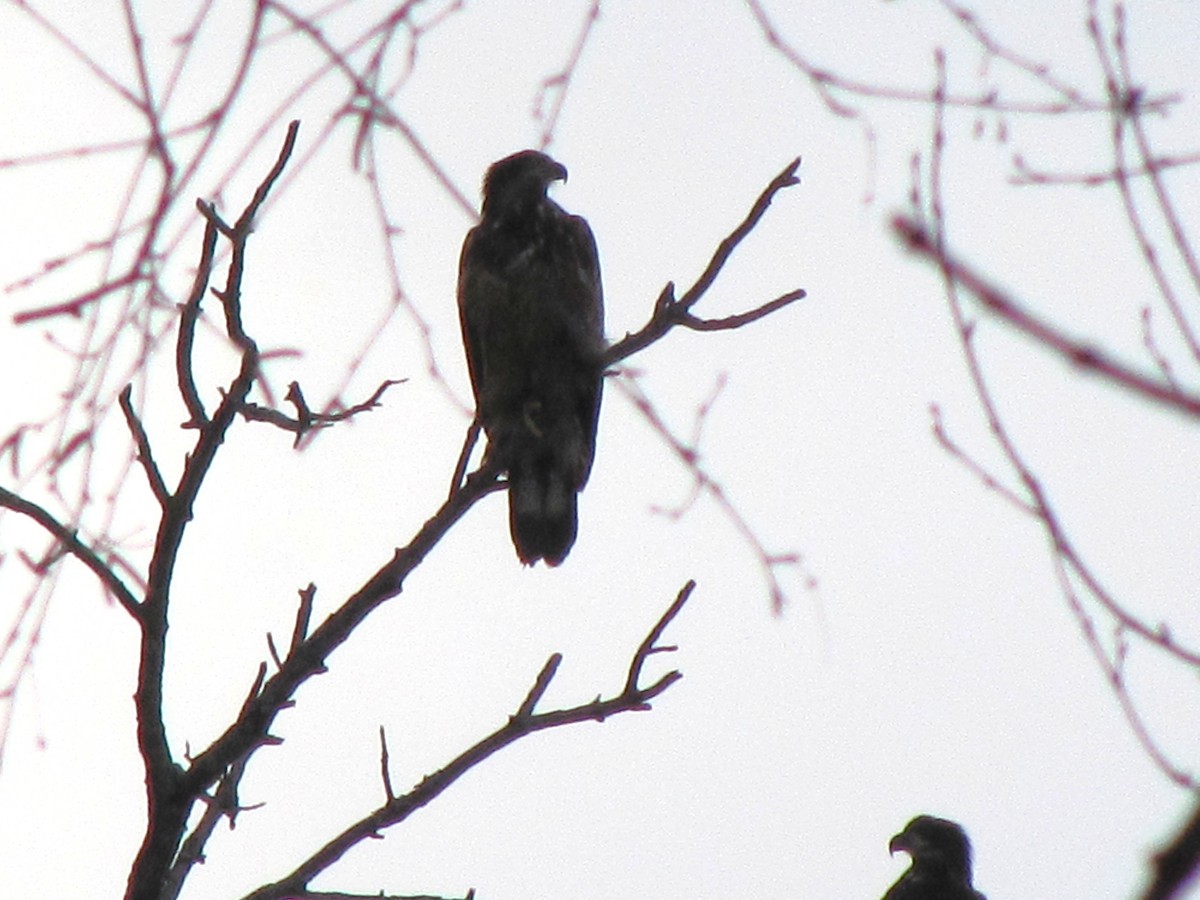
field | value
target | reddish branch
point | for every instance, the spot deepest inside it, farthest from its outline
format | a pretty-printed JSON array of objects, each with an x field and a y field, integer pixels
[
  {"x": 1027, "y": 175},
  {"x": 556, "y": 85},
  {"x": 833, "y": 87},
  {"x": 689, "y": 457},
  {"x": 76, "y": 305},
  {"x": 1090, "y": 358},
  {"x": 1127, "y": 108},
  {"x": 377, "y": 109},
  {"x": 927, "y": 238}
]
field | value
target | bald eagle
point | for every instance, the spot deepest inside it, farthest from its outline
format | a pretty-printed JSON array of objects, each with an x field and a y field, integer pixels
[
  {"x": 532, "y": 316},
  {"x": 941, "y": 862}
]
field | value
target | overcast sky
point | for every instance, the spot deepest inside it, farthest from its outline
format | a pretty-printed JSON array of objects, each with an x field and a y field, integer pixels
[{"x": 935, "y": 666}]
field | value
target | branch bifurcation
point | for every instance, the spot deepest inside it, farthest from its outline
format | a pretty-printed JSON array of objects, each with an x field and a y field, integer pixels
[
  {"x": 670, "y": 311},
  {"x": 525, "y": 721}
]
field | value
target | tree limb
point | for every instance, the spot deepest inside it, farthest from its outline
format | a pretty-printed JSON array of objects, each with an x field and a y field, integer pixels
[
  {"x": 1088, "y": 357},
  {"x": 145, "y": 456},
  {"x": 77, "y": 548},
  {"x": 521, "y": 724},
  {"x": 669, "y": 311}
]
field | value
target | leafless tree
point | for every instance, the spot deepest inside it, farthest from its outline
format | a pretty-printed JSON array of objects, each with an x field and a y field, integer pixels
[
  {"x": 61, "y": 471},
  {"x": 114, "y": 307},
  {"x": 1011, "y": 84}
]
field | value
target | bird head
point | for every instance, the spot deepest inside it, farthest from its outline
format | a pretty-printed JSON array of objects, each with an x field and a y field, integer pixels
[
  {"x": 935, "y": 843},
  {"x": 520, "y": 180}
]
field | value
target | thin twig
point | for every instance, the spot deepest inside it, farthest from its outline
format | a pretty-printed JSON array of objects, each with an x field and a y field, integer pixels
[
  {"x": 464, "y": 455},
  {"x": 540, "y": 686},
  {"x": 384, "y": 767},
  {"x": 303, "y": 614},
  {"x": 669, "y": 311},
  {"x": 77, "y": 548},
  {"x": 306, "y": 420},
  {"x": 558, "y": 84},
  {"x": 649, "y": 645},
  {"x": 76, "y": 305},
  {"x": 986, "y": 478},
  {"x": 519, "y": 725},
  {"x": 144, "y": 454},
  {"x": 188, "y": 317},
  {"x": 690, "y": 458}
]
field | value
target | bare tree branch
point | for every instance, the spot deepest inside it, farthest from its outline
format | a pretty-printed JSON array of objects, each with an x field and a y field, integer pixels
[
  {"x": 728, "y": 323},
  {"x": 649, "y": 645},
  {"x": 144, "y": 454},
  {"x": 688, "y": 455},
  {"x": 1126, "y": 106},
  {"x": 929, "y": 240},
  {"x": 378, "y": 109},
  {"x": 831, "y": 85},
  {"x": 188, "y": 317},
  {"x": 557, "y": 85},
  {"x": 222, "y": 803},
  {"x": 306, "y": 420},
  {"x": 303, "y": 615},
  {"x": 384, "y": 766},
  {"x": 76, "y": 305},
  {"x": 523, "y": 723},
  {"x": 464, "y": 455},
  {"x": 669, "y": 311},
  {"x": 308, "y": 658},
  {"x": 1024, "y": 174},
  {"x": 81, "y": 551},
  {"x": 1090, "y": 358},
  {"x": 169, "y": 796}
]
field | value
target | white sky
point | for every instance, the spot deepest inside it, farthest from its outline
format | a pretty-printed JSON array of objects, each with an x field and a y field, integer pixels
[{"x": 936, "y": 669}]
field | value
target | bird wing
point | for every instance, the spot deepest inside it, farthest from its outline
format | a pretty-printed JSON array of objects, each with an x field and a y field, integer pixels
[
  {"x": 591, "y": 318},
  {"x": 472, "y": 281}
]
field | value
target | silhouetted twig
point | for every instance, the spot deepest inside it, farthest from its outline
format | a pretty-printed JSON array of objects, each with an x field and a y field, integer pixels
[
  {"x": 77, "y": 548},
  {"x": 669, "y": 311},
  {"x": 525, "y": 721}
]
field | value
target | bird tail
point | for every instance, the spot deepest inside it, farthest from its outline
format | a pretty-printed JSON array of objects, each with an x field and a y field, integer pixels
[{"x": 541, "y": 513}]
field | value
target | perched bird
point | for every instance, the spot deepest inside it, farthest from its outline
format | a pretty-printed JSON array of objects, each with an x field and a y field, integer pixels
[
  {"x": 941, "y": 862},
  {"x": 532, "y": 315}
]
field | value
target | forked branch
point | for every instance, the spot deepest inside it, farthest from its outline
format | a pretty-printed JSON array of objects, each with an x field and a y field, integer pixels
[
  {"x": 524, "y": 722},
  {"x": 670, "y": 311}
]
